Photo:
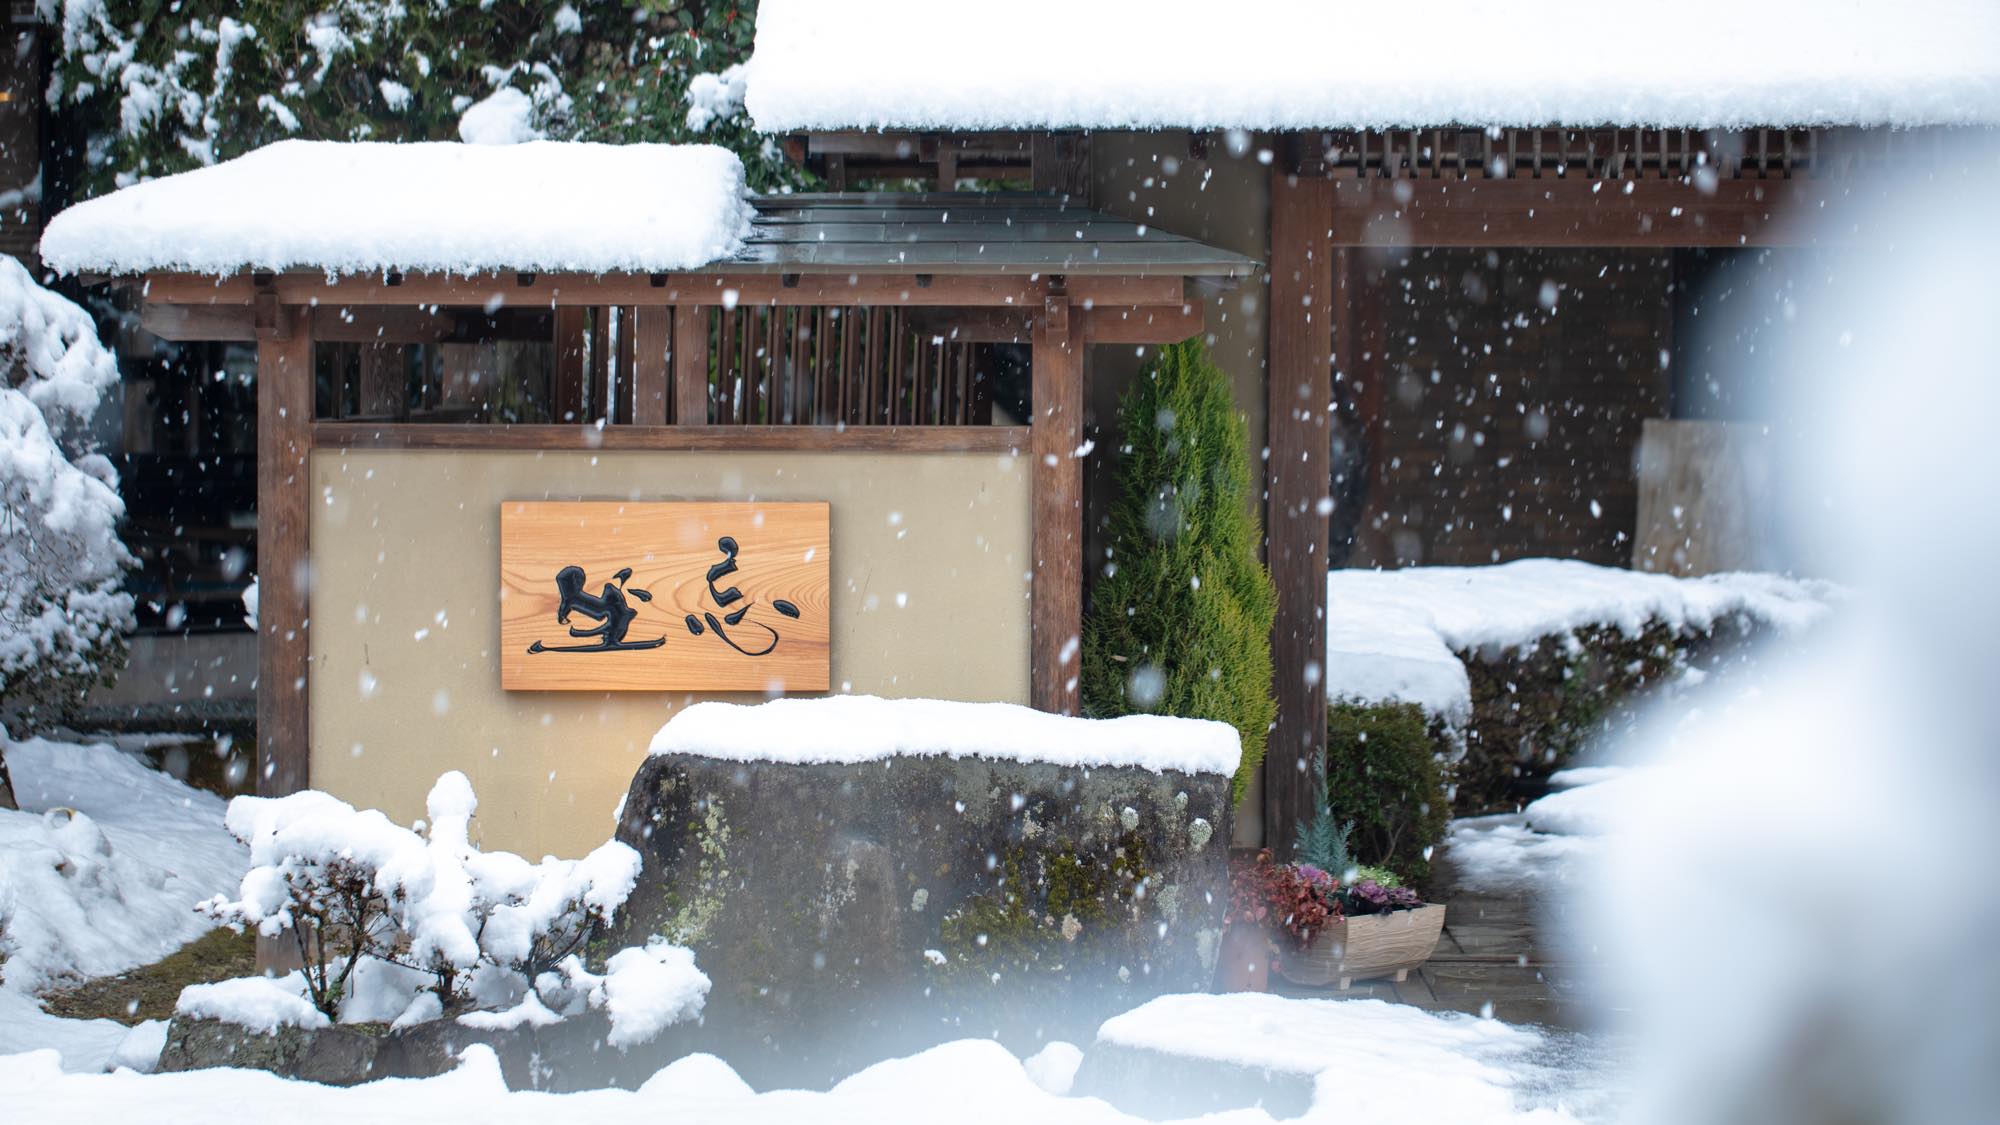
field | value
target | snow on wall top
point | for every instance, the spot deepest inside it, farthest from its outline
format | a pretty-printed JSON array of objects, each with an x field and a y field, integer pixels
[
  {"x": 861, "y": 728},
  {"x": 1299, "y": 64},
  {"x": 1393, "y": 635},
  {"x": 434, "y": 207}
]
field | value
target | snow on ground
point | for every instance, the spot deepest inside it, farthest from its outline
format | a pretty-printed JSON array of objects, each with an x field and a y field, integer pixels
[
  {"x": 1123, "y": 64},
  {"x": 113, "y": 886},
  {"x": 1393, "y": 635},
  {"x": 1383, "y": 1063},
  {"x": 863, "y": 728},
  {"x": 452, "y": 208},
  {"x": 106, "y": 890},
  {"x": 1371, "y": 1060}
]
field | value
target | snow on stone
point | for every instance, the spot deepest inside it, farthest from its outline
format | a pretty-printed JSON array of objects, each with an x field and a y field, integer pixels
[
  {"x": 441, "y": 207},
  {"x": 861, "y": 728},
  {"x": 1315, "y": 64},
  {"x": 260, "y": 1004},
  {"x": 647, "y": 989},
  {"x": 1393, "y": 635},
  {"x": 1387, "y": 1065},
  {"x": 101, "y": 870},
  {"x": 1375, "y": 1061}
]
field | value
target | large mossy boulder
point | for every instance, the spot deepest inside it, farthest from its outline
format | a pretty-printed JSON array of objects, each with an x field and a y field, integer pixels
[{"x": 853, "y": 910}]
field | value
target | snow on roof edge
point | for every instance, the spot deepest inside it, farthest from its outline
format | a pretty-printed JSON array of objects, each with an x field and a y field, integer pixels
[
  {"x": 440, "y": 207},
  {"x": 1126, "y": 64},
  {"x": 852, "y": 729}
]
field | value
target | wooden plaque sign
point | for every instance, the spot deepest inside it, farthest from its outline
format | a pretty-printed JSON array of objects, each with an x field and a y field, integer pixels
[{"x": 613, "y": 596}]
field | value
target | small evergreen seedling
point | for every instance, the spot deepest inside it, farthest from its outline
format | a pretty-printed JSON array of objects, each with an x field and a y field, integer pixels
[
  {"x": 1322, "y": 842},
  {"x": 1180, "y": 621}
]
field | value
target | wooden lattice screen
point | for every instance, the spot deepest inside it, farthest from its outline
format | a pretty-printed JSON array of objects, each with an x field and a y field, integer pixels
[
  {"x": 1612, "y": 153},
  {"x": 861, "y": 366}
]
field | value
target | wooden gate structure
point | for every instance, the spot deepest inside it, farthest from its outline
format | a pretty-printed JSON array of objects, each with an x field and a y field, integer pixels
[{"x": 844, "y": 325}]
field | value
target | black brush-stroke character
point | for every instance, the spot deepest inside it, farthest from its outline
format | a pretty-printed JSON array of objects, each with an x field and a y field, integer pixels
[
  {"x": 725, "y": 598},
  {"x": 611, "y": 610}
]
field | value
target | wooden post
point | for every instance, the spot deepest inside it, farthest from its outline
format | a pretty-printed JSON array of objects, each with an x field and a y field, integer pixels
[
  {"x": 691, "y": 365},
  {"x": 566, "y": 400},
  {"x": 1297, "y": 527},
  {"x": 1056, "y": 610},
  {"x": 652, "y": 385},
  {"x": 284, "y": 438},
  {"x": 597, "y": 400}
]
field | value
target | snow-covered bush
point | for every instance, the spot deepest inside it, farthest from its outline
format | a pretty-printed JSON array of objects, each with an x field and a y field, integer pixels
[
  {"x": 435, "y": 925},
  {"x": 62, "y": 610}
]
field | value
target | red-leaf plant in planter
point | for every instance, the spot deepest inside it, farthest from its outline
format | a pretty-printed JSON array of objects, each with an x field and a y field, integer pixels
[{"x": 1323, "y": 931}]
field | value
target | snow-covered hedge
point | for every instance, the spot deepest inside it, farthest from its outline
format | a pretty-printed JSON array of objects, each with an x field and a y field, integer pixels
[
  {"x": 1518, "y": 665},
  {"x": 408, "y": 924},
  {"x": 62, "y": 609}
]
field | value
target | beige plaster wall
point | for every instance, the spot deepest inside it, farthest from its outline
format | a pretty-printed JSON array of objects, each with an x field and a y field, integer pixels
[{"x": 930, "y": 598}]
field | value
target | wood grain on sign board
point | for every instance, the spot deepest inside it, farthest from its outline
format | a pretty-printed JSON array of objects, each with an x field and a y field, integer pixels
[{"x": 782, "y": 553}]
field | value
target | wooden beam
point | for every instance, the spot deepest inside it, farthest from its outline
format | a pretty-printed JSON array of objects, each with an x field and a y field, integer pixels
[
  {"x": 1056, "y": 589},
  {"x": 1299, "y": 389},
  {"x": 652, "y": 379},
  {"x": 691, "y": 365},
  {"x": 1575, "y": 211},
  {"x": 678, "y": 438},
  {"x": 569, "y": 376},
  {"x": 284, "y": 608},
  {"x": 1019, "y": 290},
  {"x": 1061, "y": 163},
  {"x": 1145, "y": 324}
]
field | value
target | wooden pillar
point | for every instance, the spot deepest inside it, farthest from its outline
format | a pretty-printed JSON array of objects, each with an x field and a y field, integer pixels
[
  {"x": 1056, "y": 610},
  {"x": 284, "y": 436},
  {"x": 652, "y": 383},
  {"x": 1297, "y": 527},
  {"x": 691, "y": 365},
  {"x": 572, "y": 329},
  {"x": 597, "y": 400}
]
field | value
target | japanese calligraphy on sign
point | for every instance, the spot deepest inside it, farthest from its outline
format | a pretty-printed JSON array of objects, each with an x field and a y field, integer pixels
[{"x": 614, "y": 596}]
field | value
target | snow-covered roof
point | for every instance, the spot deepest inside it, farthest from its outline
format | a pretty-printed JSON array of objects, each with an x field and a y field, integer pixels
[
  {"x": 1303, "y": 64},
  {"x": 863, "y": 728},
  {"x": 457, "y": 208}
]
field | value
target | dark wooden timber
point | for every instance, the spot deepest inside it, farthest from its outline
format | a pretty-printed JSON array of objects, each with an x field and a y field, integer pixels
[
  {"x": 1057, "y": 584},
  {"x": 591, "y": 438},
  {"x": 1300, "y": 389},
  {"x": 284, "y": 418},
  {"x": 1579, "y": 212},
  {"x": 690, "y": 365},
  {"x": 572, "y": 328},
  {"x": 653, "y": 395}
]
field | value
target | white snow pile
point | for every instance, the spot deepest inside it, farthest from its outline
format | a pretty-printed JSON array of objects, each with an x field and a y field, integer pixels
[
  {"x": 863, "y": 728},
  {"x": 102, "y": 869},
  {"x": 402, "y": 924},
  {"x": 1371, "y": 1060},
  {"x": 504, "y": 117},
  {"x": 438, "y": 207},
  {"x": 1387, "y": 1065},
  {"x": 1396, "y": 636},
  {"x": 1315, "y": 64},
  {"x": 62, "y": 564}
]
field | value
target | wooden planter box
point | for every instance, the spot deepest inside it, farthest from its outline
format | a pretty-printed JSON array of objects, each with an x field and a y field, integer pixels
[{"x": 1365, "y": 947}]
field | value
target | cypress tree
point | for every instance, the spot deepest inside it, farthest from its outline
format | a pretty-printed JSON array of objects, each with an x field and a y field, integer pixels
[{"x": 1180, "y": 622}]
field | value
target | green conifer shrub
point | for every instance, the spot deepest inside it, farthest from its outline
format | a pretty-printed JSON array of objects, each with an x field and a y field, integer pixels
[
  {"x": 1382, "y": 773},
  {"x": 1180, "y": 622}
]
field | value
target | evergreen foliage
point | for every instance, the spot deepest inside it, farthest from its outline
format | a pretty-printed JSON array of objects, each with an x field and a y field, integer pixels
[
  {"x": 1180, "y": 623},
  {"x": 1322, "y": 842},
  {"x": 1382, "y": 771},
  {"x": 161, "y": 87}
]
